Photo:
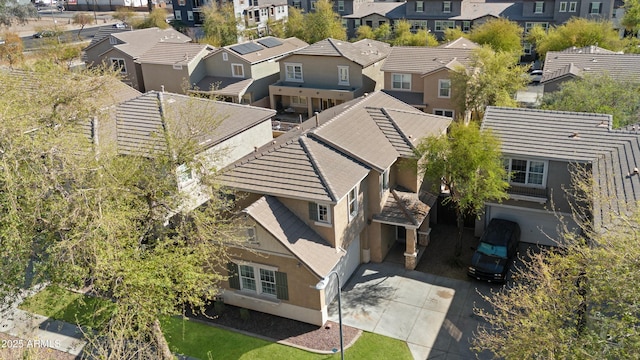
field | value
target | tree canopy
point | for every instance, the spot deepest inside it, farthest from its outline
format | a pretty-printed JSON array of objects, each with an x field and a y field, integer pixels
[
  {"x": 11, "y": 50},
  {"x": 598, "y": 94},
  {"x": 631, "y": 18},
  {"x": 468, "y": 163},
  {"x": 576, "y": 32},
  {"x": 500, "y": 34},
  {"x": 220, "y": 24},
  {"x": 12, "y": 11},
  {"x": 323, "y": 23}
]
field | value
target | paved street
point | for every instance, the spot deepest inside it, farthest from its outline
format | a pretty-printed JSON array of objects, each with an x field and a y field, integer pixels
[{"x": 433, "y": 314}]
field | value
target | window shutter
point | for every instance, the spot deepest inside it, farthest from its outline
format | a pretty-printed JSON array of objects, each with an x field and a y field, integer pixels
[
  {"x": 313, "y": 211},
  {"x": 234, "y": 278},
  {"x": 282, "y": 288}
]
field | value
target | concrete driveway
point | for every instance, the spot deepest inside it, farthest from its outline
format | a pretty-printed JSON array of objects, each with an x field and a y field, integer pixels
[{"x": 433, "y": 314}]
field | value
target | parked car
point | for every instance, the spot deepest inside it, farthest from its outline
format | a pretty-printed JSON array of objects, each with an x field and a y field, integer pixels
[
  {"x": 120, "y": 25},
  {"x": 44, "y": 34},
  {"x": 535, "y": 76},
  {"x": 496, "y": 251}
]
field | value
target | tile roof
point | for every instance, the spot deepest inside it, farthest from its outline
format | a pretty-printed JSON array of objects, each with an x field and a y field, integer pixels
[
  {"x": 460, "y": 43},
  {"x": 304, "y": 243},
  {"x": 618, "y": 66},
  {"x": 137, "y": 42},
  {"x": 591, "y": 49},
  {"x": 288, "y": 46},
  {"x": 225, "y": 86},
  {"x": 323, "y": 163},
  {"x": 104, "y": 32},
  {"x": 421, "y": 60},
  {"x": 140, "y": 122},
  {"x": 576, "y": 138},
  {"x": 405, "y": 208},
  {"x": 364, "y": 52},
  {"x": 472, "y": 10},
  {"x": 370, "y": 8},
  {"x": 173, "y": 54}
]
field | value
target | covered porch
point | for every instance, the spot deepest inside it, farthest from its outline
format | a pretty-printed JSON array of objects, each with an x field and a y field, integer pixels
[{"x": 404, "y": 221}]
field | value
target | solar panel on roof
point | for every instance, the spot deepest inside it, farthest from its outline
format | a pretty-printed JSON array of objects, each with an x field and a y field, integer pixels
[
  {"x": 270, "y": 42},
  {"x": 247, "y": 48}
]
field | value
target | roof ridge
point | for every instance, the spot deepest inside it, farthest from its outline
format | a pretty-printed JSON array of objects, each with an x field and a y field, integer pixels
[
  {"x": 314, "y": 162},
  {"x": 397, "y": 127},
  {"x": 403, "y": 207}
]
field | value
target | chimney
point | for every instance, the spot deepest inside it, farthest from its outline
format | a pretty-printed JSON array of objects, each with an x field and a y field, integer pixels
[
  {"x": 162, "y": 88},
  {"x": 317, "y": 119}
]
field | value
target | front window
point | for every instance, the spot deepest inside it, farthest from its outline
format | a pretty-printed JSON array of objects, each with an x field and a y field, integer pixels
[
  {"x": 257, "y": 279},
  {"x": 320, "y": 213},
  {"x": 444, "y": 88},
  {"x": 247, "y": 278},
  {"x": 466, "y": 26},
  {"x": 443, "y": 112},
  {"x": 563, "y": 7},
  {"x": 323, "y": 213},
  {"x": 446, "y": 7},
  {"x": 352, "y": 198},
  {"x": 119, "y": 65},
  {"x": 401, "y": 81},
  {"x": 268, "y": 282},
  {"x": 442, "y": 25},
  {"x": 293, "y": 72},
  {"x": 419, "y": 6},
  {"x": 539, "y": 7},
  {"x": 595, "y": 8},
  {"x": 573, "y": 6},
  {"x": 237, "y": 70},
  {"x": 343, "y": 75},
  {"x": 526, "y": 172}
]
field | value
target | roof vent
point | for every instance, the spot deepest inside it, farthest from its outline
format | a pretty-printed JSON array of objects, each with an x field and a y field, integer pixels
[
  {"x": 594, "y": 60},
  {"x": 575, "y": 135},
  {"x": 636, "y": 171}
]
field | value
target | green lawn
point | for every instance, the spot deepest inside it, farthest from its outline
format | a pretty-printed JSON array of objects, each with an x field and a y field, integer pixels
[
  {"x": 200, "y": 340},
  {"x": 61, "y": 304}
]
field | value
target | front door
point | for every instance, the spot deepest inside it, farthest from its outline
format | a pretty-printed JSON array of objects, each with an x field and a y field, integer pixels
[{"x": 401, "y": 234}]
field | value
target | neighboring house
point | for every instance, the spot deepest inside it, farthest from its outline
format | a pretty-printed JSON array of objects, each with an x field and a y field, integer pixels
[
  {"x": 173, "y": 67},
  {"x": 421, "y": 76},
  {"x": 242, "y": 73},
  {"x": 561, "y": 66},
  {"x": 122, "y": 49},
  {"x": 340, "y": 190},
  {"x": 326, "y": 74},
  {"x": 240, "y": 129},
  {"x": 109, "y": 5},
  {"x": 342, "y": 7},
  {"x": 251, "y": 14},
  {"x": 372, "y": 14},
  {"x": 541, "y": 149}
]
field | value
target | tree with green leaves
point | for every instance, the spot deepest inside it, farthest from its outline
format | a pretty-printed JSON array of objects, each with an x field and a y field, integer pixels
[
  {"x": 451, "y": 34},
  {"x": 577, "y": 302},
  {"x": 631, "y": 18},
  {"x": 295, "y": 24},
  {"x": 365, "y": 32},
  {"x": 578, "y": 32},
  {"x": 467, "y": 161},
  {"x": 118, "y": 224},
  {"x": 501, "y": 34},
  {"x": 13, "y": 11},
  {"x": 156, "y": 18},
  {"x": 491, "y": 79},
  {"x": 82, "y": 19},
  {"x": 598, "y": 94},
  {"x": 403, "y": 36},
  {"x": 276, "y": 28},
  {"x": 383, "y": 32},
  {"x": 220, "y": 25},
  {"x": 323, "y": 23},
  {"x": 11, "y": 49},
  {"x": 124, "y": 14}
]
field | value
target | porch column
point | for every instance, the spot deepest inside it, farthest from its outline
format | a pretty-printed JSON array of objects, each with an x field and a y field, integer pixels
[
  {"x": 410, "y": 254},
  {"x": 272, "y": 101},
  {"x": 309, "y": 106}
]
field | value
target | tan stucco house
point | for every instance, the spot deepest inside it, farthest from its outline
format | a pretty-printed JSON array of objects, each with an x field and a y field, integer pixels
[
  {"x": 339, "y": 190},
  {"x": 421, "y": 76},
  {"x": 327, "y": 73}
]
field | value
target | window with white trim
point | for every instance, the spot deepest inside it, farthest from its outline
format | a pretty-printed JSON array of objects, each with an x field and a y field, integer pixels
[
  {"x": 185, "y": 175},
  {"x": 401, "y": 81},
  {"x": 298, "y": 100},
  {"x": 443, "y": 112},
  {"x": 189, "y": 15},
  {"x": 320, "y": 213},
  {"x": 293, "y": 72},
  {"x": 118, "y": 64},
  {"x": 526, "y": 172},
  {"x": 237, "y": 70},
  {"x": 340, "y": 5},
  {"x": 419, "y": 6},
  {"x": 442, "y": 25},
  {"x": 529, "y": 25},
  {"x": 466, "y": 26},
  {"x": 538, "y": 7},
  {"x": 225, "y": 56},
  {"x": 313, "y": 5},
  {"x": 563, "y": 6},
  {"x": 527, "y": 48},
  {"x": 444, "y": 88},
  {"x": 259, "y": 279},
  {"x": 352, "y": 200},
  {"x": 343, "y": 75},
  {"x": 418, "y": 24},
  {"x": 573, "y": 6},
  {"x": 446, "y": 7},
  {"x": 594, "y": 7}
]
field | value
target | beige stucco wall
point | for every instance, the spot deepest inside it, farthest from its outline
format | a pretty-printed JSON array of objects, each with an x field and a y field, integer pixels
[
  {"x": 406, "y": 174},
  {"x": 133, "y": 76},
  {"x": 301, "y": 209},
  {"x": 93, "y": 55},
  {"x": 431, "y": 98},
  {"x": 417, "y": 84},
  {"x": 216, "y": 66},
  {"x": 156, "y": 76},
  {"x": 373, "y": 77}
]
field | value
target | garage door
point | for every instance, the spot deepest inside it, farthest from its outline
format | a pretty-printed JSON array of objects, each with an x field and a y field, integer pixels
[
  {"x": 346, "y": 267},
  {"x": 536, "y": 226}
]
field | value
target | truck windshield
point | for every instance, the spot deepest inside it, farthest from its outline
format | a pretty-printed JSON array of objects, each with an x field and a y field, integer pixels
[{"x": 493, "y": 250}]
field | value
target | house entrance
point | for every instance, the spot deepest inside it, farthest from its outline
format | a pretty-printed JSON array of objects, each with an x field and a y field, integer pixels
[{"x": 401, "y": 234}]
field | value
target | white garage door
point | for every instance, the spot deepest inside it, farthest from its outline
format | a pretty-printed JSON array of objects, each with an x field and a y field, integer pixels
[
  {"x": 536, "y": 226},
  {"x": 346, "y": 267}
]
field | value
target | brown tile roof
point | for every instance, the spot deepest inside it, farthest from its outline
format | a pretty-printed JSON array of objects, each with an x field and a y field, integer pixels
[
  {"x": 364, "y": 52},
  {"x": 173, "y": 54},
  {"x": 324, "y": 163},
  {"x": 141, "y": 121},
  {"x": 405, "y": 208},
  {"x": 304, "y": 243},
  {"x": 288, "y": 46},
  {"x": 422, "y": 60},
  {"x": 137, "y": 42},
  {"x": 618, "y": 66}
]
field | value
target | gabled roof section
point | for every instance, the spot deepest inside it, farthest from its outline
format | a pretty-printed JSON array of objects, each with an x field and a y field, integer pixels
[
  {"x": 405, "y": 208},
  {"x": 265, "y": 53},
  {"x": 174, "y": 54},
  {"x": 364, "y": 52},
  {"x": 225, "y": 86},
  {"x": 421, "y": 60},
  {"x": 472, "y": 10},
  {"x": 142, "y": 122},
  {"x": 567, "y": 70},
  {"x": 102, "y": 34},
  {"x": 137, "y": 42},
  {"x": 618, "y": 66},
  {"x": 304, "y": 243},
  {"x": 460, "y": 43},
  {"x": 371, "y": 8}
]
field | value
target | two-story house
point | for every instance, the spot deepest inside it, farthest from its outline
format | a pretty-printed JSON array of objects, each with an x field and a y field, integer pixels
[
  {"x": 326, "y": 74},
  {"x": 372, "y": 14},
  {"x": 122, "y": 49},
  {"x": 542, "y": 149},
  {"x": 572, "y": 63},
  {"x": 340, "y": 190},
  {"x": 242, "y": 73},
  {"x": 421, "y": 76}
]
